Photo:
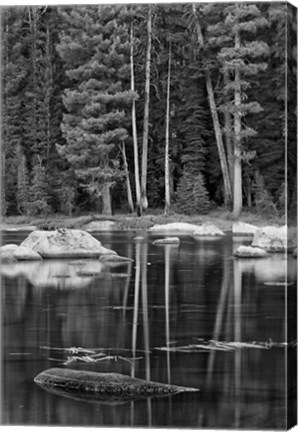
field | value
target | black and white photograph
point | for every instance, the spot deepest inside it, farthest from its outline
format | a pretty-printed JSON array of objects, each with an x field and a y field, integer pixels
[{"x": 149, "y": 215}]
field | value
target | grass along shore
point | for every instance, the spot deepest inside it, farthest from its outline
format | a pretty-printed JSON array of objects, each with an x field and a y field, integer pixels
[{"x": 222, "y": 218}]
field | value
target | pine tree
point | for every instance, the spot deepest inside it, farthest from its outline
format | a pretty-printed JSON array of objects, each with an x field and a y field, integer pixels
[
  {"x": 263, "y": 199},
  {"x": 96, "y": 57},
  {"x": 192, "y": 196},
  {"x": 23, "y": 192},
  {"x": 38, "y": 204}
]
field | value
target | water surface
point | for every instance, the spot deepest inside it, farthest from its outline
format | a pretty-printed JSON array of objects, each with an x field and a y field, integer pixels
[{"x": 168, "y": 297}]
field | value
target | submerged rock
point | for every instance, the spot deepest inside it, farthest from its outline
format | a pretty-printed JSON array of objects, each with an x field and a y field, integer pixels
[
  {"x": 250, "y": 252},
  {"x": 114, "y": 258},
  {"x": 105, "y": 387},
  {"x": 243, "y": 229},
  {"x": 65, "y": 243},
  {"x": 274, "y": 239},
  {"x": 208, "y": 229},
  {"x": 175, "y": 227},
  {"x": 167, "y": 240}
]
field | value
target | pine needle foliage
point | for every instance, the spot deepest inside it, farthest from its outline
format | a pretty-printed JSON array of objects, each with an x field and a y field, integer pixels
[{"x": 192, "y": 196}]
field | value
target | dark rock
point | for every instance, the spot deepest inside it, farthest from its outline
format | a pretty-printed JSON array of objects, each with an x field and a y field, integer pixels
[
  {"x": 104, "y": 387},
  {"x": 167, "y": 240}
]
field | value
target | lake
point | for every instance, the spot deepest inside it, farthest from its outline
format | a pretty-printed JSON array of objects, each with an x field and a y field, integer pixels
[{"x": 152, "y": 318}]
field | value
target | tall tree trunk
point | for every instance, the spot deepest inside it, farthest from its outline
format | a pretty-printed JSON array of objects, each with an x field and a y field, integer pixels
[
  {"x": 106, "y": 200},
  {"x": 228, "y": 129},
  {"x": 215, "y": 119},
  {"x": 237, "y": 202},
  {"x": 144, "y": 201},
  {"x": 134, "y": 127},
  {"x": 33, "y": 16},
  {"x": 49, "y": 84},
  {"x": 167, "y": 169},
  {"x": 126, "y": 171}
]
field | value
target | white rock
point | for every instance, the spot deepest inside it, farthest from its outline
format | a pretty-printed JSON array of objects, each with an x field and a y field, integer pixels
[
  {"x": 174, "y": 227},
  {"x": 7, "y": 253},
  {"x": 104, "y": 225},
  {"x": 65, "y": 243},
  {"x": 25, "y": 254},
  {"x": 167, "y": 240},
  {"x": 250, "y": 252},
  {"x": 275, "y": 239},
  {"x": 208, "y": 229},
  {"x": 243, "y": 229}
]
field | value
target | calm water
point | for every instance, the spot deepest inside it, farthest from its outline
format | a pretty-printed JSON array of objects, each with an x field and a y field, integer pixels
[{"x": 167, "y": 297}]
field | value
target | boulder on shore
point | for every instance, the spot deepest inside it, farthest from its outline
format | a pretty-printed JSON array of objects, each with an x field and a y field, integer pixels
[
  {"x": 208, "y": 229},
  {"x": 182, "y": 227},
  {"x": 243, "y": 229},
  {"x": 102, "y": 386},
  {"x": 250, "y": 252},
  {"x": 113, "y": 258},
  {"x": 99, "y": 225},
  {"x": 273, "y": 239},
  {"x": 65, "y": 243},
  {"x": 167, "y": 241}
]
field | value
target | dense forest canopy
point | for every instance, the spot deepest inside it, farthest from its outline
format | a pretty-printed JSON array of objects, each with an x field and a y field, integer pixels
[{"x": 116, "y": 108}]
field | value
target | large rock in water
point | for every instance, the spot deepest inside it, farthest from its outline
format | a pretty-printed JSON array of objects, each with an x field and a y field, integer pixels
[
  {"x": 105, "y": 387},
  {"x": 65, "y": 243},
  {"x": 243, "y": 229},
  {"x": 208, "y": 229},
  {"x": 13, "y": 252},
  {"x": 7, "y": 253},
  {"x": 274, "y": 239},
  {"x": 250, "y": 252}
]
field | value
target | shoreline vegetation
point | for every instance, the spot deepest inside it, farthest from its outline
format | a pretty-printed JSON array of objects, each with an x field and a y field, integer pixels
[{"x": 222, "y": 218}]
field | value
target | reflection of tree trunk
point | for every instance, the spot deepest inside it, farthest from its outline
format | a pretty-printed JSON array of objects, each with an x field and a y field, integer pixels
[
  {"x": 237, "y": 338},
  {"x": 215, "y": 119},
  {"x": 144, "y": 201},
  {"x": 167, "y": 307},
  {"x": 106, "y": 200},
  {"x": 167, "y": 169},
  {"x": 136, "y": 306},
  {"x": 219, "y": 316},
  {"x": 146, "y": 325}
]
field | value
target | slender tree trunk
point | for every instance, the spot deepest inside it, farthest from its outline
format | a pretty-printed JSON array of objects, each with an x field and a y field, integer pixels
[
  {"x": 106, "y": 200},
  {"x": 237, "y": 203},
  {"x": 215, "y": 119},
  {"x": 134, "y": 127},
  {"x": 126, "y": 171},
  {"x": 228, "y": 129},
  {"x": 144, "y": 201},
  {"x": 167, "y": 169},
  {"x": 32, "y": 11},
  {"x": 49, "y": 83}
]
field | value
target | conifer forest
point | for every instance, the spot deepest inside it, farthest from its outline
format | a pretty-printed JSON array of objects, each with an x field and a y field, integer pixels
[{"x": 171, "y": 107}]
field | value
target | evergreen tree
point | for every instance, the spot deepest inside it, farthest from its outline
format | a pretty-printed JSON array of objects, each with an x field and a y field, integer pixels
[
  {"x": 95, "y": 57},
  {"x": 38, "y": 204},
  {"x": 23, "y": 192},
  {"x": 192, "y": 196}
]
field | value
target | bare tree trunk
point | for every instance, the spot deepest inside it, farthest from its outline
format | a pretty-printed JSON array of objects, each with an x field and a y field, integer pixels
[
  {"x": 33, "y": 16},
  {"x": 144, "y": 201},
  {"x": 215, "y": 119},
  {"x": 49, "y": 83},
  {"x": 106, "y": 200},
  {"x": 126, "y": 171},
  {"x": 228, "y": 129},
  {"x": 167, "y": 170},
  {"x": 134, "y": 127},
  {"x": 237, "y": 202}
]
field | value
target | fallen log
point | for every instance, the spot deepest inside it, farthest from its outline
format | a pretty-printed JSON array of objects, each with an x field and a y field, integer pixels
[{"x": 103, "y": 387}]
